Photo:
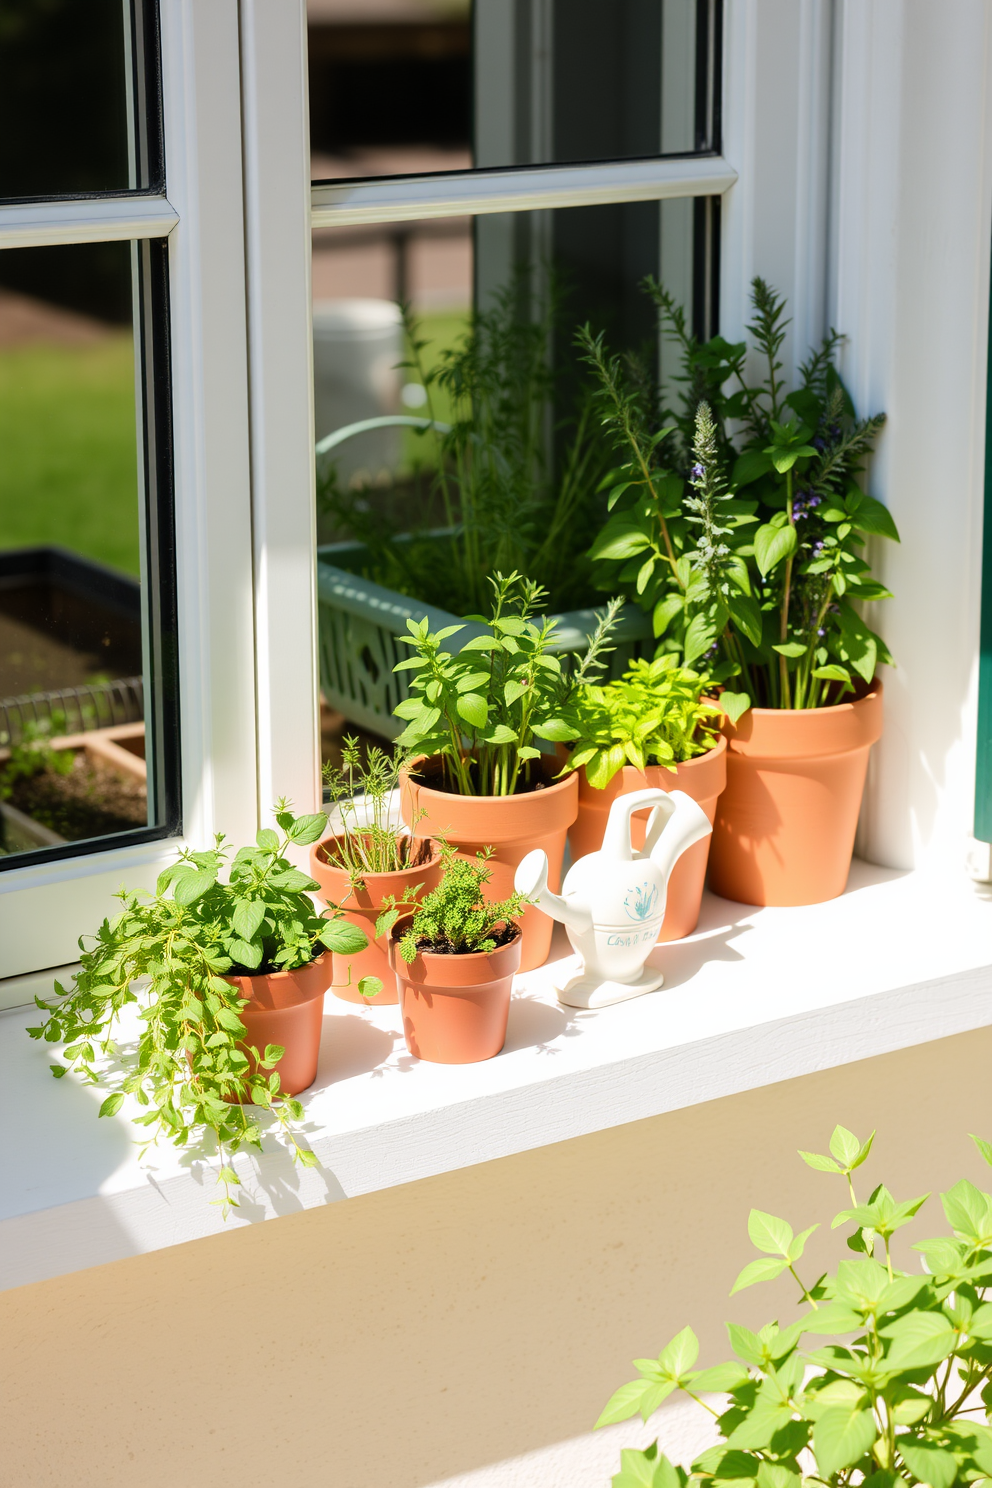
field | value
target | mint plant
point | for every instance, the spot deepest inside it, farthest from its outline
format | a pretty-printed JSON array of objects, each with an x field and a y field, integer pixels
[
  {"x": 191, "y": 1071},
  {"x": 656, "y": 714},
  {"x": 747, "y": 547},
  {"x": 456, "y": 918},
  {"x": 481, "y": 710},
  {"x": 902, "y": 1392}
]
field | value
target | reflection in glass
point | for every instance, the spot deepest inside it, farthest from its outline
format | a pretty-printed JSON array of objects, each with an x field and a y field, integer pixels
[
  {"x": 74, "y": 649},
  {"x": 507, "y": 472},
  {"x": 423, "y": 85},
  {"x": 78, "y": 97}
]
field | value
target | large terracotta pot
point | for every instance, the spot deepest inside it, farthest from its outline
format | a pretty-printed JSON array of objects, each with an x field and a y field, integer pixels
[
  {"x": 785, "y": 825},
  {"x": 512, "y": 825},
  {"x": 286, "y": 1007},
  {"x": 702, "y": 778},
  {"x": 455, "y": 1008},
  {"x": 362, "y": 908}
]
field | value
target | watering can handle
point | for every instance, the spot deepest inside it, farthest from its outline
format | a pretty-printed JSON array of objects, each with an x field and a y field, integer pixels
[{"x": 616, "y": 839}]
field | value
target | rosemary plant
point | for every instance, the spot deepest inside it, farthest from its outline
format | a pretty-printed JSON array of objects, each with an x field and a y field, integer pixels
[
  {"x": 456, "y": 918},
  {"x": 370, "y": 839},
  {"x": 747, "y": 550}
]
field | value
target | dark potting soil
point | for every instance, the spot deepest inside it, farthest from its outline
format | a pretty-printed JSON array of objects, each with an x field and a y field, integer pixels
[
  {"x": 502, "y": 937},
  {"x": 433, "y": 774},
  {"x": 90, "y": 801}
]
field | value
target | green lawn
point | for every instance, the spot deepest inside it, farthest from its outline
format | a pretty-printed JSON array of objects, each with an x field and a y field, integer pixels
[{"x": 68, "y": 461}]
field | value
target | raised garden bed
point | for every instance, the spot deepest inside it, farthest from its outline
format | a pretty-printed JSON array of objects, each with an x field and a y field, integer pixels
[{"x": 103, "y": 792}]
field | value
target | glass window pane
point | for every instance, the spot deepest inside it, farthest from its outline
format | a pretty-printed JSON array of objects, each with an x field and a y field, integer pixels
[
  {"x": 404, "y": 86},
  {"x": 86, "y": 703},
  {"x": 412, "y": 520},
  {"x": 78, "y": 97}
]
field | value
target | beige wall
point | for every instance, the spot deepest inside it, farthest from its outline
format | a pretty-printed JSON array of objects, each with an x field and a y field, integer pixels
[{"x": 421, "y": 1333}]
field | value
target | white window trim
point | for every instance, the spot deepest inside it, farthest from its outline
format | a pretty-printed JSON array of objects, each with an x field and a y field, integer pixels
[{"x": 101, "y": 220}]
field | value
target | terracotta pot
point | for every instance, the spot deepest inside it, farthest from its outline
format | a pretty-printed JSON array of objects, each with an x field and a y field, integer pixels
[
  {"x": 286, "y": 1007},
  {"x": 362, "y": 908},
  {"x": 702, "y": 778},
  {"x": 785, "y": 825},
  {"x": 455, "y": 1008},
  {"x": 512, "y": 825}
]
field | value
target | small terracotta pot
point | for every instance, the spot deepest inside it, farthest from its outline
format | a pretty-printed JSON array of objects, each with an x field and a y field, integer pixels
[
  {"x": 785, "y": 825},
  {"x": 702, "y": 778},
  {"x": 362, "y": 909},
  {"x": 286, "y": 1007},
  {"x": 512, "y": 825},
  {"x": 455, "y": 1008}
]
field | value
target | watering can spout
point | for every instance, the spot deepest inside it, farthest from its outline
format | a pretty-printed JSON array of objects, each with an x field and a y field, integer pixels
[{"x": 531, "y": 880}]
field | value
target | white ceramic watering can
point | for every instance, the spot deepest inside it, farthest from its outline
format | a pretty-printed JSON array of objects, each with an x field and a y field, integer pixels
[{"x": 612, "y": 902}]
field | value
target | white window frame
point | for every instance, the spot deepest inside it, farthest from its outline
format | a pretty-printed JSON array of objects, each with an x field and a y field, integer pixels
[{"x": 830, "y": 174}]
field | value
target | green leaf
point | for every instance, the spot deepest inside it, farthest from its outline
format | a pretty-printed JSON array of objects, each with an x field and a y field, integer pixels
[
  {"x": 734, "y": 704},
  {"x": 624, "y": 1403},
  {"x": 766, "y": 1418},
  {"x": 721, "y": 1378},
  {"x": 190, "y": 886},
  {"x": 307, "y": 829},
  {"x": 472, "y": 707},
  {"x": 228, "y": 1175},
  {"x": 680, "y": 1355},
  {"x": 665, "y": 612},
  {"x": 369, "y": 986},
  {"x": 647, "y": 1469},
  {"x": 872, "y": 517},
  {"x": 841, "y": 1437},
  {"x": 555, "y": 729},
  {"x": 927, "y": 1462},
  {"x": 822, "y": 1164},
  {"x": 746, "y": 616},
  {"x": 245, "y": 953},
  {"x": 765, "y": 1269},
  {"x": 832, "y": 673},
  {"x": 292, "y": 881},
  {"x": 790, "y": 648},
  {"x": 833, "y": 1318},
  {"x": 746, "y": 1345},
  {"x": 774, "y": 1236},
  {"x": 777, "y": 1475},
  {"x": 248, "y": 916},
  {"x": 750, "y": 466},
  {"x": 984, "y": 1148},
  {"x": 918, "y": 1339},
  {"x": 112, "y": 1104},
  {"x": 799, "y": 1243},
  {"x": 619, "y": 540},
  {"x": 771, "y": 545},
  {"x": 344, "y": 938},
  {"x": 267, "y": 840},
  {"x": 700, "y": 634},
  {"x": 845, "y": 1146},
  {"x": 968, "y": 1211}
]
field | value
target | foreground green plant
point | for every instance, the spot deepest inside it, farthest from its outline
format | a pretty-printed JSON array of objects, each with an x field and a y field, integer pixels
[
  {"x": 456, "y": 917},
  {"x": 654, "y": 715},
  {"x": 747, "y": 551},
  {"x": 482, "y": 709},
  {"x": 191, "y": 1070},
  {"x": 903, "y": 1395}
]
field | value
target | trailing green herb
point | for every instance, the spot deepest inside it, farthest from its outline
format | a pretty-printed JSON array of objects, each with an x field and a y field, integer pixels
[
  {"x": 747, "y": 550},
  {"x": 894, "y": 1395},
  {"x": 191, "y": 1070},
  {"x": 655, "y": 715},
  {"x": 455, "y": 918},
  {"x": 480, "y": 710}
]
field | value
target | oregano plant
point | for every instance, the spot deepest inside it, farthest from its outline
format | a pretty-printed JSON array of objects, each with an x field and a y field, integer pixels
[
  {"x": 190, "y": 1071},
  {"x": 882, "y": 1378}
]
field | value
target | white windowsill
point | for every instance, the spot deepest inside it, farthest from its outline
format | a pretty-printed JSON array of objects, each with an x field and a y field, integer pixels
[{"x": 754, "y": 997}]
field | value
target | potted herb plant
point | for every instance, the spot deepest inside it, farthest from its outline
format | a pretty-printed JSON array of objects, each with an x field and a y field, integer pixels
[
  {"x": 474, "y": 718},
  {"x": 231, "y": 1014},
  {"x": 884, "y": 1376},
  {"x": 749, "y": 552},
  {"x": 371, "y": 863},
  {"x": 454, "y": 960},
  {"x": 654, "y": 727}
]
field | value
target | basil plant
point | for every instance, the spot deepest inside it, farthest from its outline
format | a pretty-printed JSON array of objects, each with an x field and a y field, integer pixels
[{"x": 883, "y": 1378}]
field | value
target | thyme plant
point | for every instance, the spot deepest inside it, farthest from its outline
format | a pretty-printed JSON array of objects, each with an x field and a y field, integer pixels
[
  {"x": 655, "y": 714},
  {"x": 481, "y": 709},
  {"x": 191, "y": 1072},
  {"x": 455, "y": 918},
  {"x": 739, "y": 521},
  {"x": 900, "y": 1394}
]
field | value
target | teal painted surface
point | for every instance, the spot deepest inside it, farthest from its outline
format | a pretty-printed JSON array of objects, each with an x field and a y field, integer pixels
[{"x": 983, "y": 772}]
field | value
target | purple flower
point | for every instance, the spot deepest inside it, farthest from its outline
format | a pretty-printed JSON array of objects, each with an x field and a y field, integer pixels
[
  {"x": 814, "y": 501},
  {"x": 818, "y": 547},
  {"x": 821, "y": 631},
  {"x": 698, "y": 472},
  {"x": 819, "y": 444}
]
